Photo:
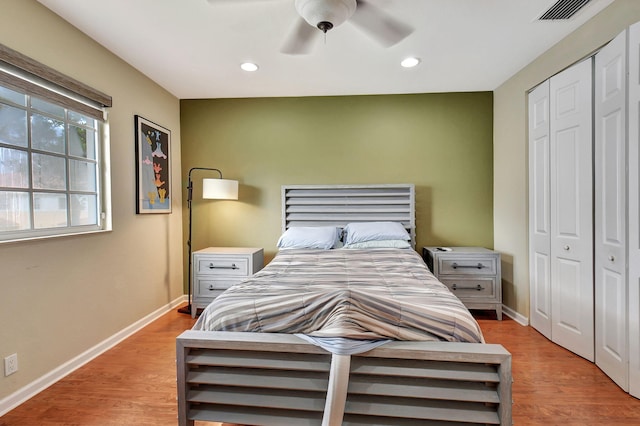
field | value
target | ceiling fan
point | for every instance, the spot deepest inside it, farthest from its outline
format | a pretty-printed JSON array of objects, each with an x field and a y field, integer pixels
[{"x": 320, "y": 16}]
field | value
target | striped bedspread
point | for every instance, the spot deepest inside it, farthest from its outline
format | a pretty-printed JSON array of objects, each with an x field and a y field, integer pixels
[{"x": 358, "y": 294}]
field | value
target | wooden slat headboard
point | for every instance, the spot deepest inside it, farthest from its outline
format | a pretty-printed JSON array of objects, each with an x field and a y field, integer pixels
[{"x": 338, "y": 205}]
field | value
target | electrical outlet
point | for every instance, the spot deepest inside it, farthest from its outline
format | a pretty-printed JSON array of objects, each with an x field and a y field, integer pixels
[{"x": 10, "y": 364}]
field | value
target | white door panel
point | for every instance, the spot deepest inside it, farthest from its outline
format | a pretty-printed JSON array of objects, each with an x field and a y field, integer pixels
[
  {"x": 566, "y": 206},
  {"x": 540, "y": 183},
  {"x": 610, "y": 210},
  {"x": 571, "y": 201},
  {"x": 613, "y": 339},
  {"x": 539, "y": 211},
  {"x": 541, "y": 294},
  {"x": 634, "y": 210},
  {"x": 567, "y": 290}
]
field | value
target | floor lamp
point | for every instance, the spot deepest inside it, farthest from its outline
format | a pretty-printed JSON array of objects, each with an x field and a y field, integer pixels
[{"x": 212, "y": 189}]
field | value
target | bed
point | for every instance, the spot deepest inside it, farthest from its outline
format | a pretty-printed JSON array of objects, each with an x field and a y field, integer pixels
[{"x": 410, "y": 366}]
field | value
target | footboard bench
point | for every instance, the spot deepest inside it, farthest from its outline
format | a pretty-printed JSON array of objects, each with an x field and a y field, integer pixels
[{"x": 280, "y": 379}]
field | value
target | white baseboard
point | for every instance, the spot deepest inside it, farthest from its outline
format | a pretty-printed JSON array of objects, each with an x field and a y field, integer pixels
[
  {"x": 520, "y": 319},
  {"x": 12, "y": 401}
]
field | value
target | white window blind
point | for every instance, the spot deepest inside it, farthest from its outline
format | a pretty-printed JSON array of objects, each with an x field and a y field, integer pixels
[{"x": 20, "y": 72}]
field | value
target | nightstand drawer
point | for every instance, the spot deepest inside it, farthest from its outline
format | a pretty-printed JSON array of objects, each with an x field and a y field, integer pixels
[
  {"x": 471, "y": 288},
  {"x": 208, "y": 287},
  {"x": 468, "y": 266},
  {"x": 227, "y": 266}
]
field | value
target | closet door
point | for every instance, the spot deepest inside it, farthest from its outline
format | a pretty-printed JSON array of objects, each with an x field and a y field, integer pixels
[
  {"x": 571, "y": 145},
  {"x": 610, "y": 209},
  {"x": 539, "y": 221},
  {"x": 634, "y": 210}
]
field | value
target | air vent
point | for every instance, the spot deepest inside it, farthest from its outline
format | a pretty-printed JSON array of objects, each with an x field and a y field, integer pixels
[{"x": 563, "y": 9}]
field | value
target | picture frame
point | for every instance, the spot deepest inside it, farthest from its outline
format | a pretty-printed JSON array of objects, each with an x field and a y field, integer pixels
[{"x": 153, "y": 167}]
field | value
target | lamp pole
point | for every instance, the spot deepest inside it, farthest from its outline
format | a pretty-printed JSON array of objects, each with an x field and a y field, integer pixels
[{"x": 187, "y": 309}]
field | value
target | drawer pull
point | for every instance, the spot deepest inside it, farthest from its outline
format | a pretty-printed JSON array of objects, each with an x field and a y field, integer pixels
[
  {"x": 211, "y": 287},
  {"x": 454, "y": 265},
  {"x": 477, "y": 287},
  {"x": 233, "y": 266}
]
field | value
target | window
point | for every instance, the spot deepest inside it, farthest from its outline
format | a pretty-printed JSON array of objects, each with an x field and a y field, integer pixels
[{"x": 51, "y": 157}]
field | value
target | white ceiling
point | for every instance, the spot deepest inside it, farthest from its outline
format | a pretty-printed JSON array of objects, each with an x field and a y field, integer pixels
[{"x": 193, "y": 48}]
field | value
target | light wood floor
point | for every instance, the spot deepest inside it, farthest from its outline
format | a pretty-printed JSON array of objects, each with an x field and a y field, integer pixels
[{"x": 135, "y": 384}]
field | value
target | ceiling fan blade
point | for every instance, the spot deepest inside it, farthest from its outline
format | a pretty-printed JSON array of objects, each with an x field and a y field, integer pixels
[
  {"x": 300, "y": 39},
  {"x": 379, "y": 25}
]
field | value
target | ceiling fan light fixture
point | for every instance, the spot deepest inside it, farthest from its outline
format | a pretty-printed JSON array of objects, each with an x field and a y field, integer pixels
[
  {"x": 410, "y": 62},
  {"x": 249, "y": 66},
  {"x": 325, "y": 26},
  {"x": 325, "y": 14}
]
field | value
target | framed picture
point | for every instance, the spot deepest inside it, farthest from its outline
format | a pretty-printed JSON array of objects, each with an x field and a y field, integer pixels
[{"x": 153, "y": 167}]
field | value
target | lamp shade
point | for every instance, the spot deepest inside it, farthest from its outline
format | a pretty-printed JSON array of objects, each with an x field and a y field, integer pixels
[{"x": 219, "y": 189}]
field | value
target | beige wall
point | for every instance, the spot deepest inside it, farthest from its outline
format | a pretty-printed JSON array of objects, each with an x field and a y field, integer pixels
[
  {"x": 59, "y": 297},
  {"x": 510, "y": 142},
  {"x": 440, "y": 142}
]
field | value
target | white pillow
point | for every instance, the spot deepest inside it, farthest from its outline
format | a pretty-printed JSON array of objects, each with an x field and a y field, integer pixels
[
  {"x": 313, "y": 237},
  {"x": 358, "y": 232},
  {"x": 379, "y": 244}
]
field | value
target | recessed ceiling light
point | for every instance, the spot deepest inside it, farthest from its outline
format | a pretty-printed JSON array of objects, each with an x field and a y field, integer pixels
[
  {"x": 249, "y": 66},
  {"x": 410, "y": 62}
]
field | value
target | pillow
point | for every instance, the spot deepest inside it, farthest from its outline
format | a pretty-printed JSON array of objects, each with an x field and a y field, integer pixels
[
  {"x": 379, "y": 244},
  {"x": 374, "y": 231},
  {"x": 313, "y": 237}
]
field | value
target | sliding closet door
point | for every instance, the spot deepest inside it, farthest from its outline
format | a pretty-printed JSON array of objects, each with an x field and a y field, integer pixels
[
  {"x": 634, "y": 210},
  {"x": 571, "y": 144},
  {"x": 610, "y": 210},
  {"x": 539, "y": 220}
]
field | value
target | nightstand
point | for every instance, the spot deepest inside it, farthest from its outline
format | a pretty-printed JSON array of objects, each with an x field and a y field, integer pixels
[
  {"x": 215, "y": 269},
  {"x": 471, "y": 273}
]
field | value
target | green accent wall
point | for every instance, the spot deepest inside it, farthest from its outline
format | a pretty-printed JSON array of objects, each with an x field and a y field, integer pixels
[{"x": 442, "y": 143}]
